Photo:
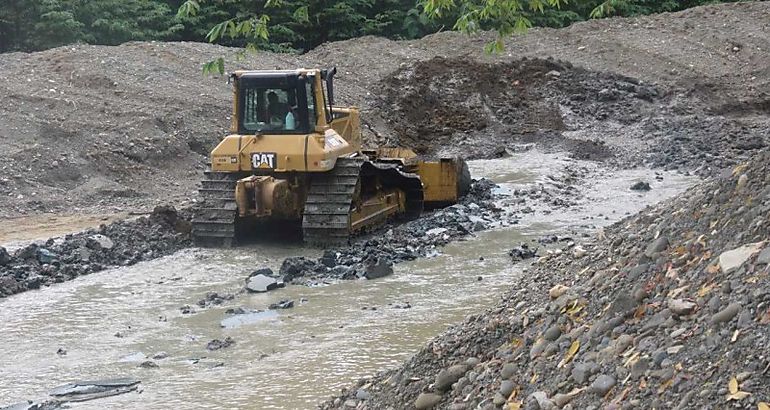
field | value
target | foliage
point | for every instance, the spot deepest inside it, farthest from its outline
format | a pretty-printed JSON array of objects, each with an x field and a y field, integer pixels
[{"x": 291, "y": 25}]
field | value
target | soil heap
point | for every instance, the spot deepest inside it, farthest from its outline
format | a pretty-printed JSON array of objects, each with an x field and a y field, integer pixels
[
  {"x": 102, "y": 129},
  {"x": 666, "y": 309}
]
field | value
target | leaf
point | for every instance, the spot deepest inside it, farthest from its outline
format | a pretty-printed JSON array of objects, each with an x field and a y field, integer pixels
[
  {"x": 514, "y": 405},
  {"x": 763, "y": 406},
  {"x": 571, "y": 352},
  {"x": 301, "y": 15},
  {"x": 738, "y": 396},
  {"x": 732, "y": 386}
]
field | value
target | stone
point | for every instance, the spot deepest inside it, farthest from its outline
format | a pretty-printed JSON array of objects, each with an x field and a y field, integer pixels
[
  {"x": 726, "y": 314},
  {"x": 659, "y": 245},
  {"x": 94, "y": 389},
  {"x": 762, "y": 259},
  {"x": 261, "y": 283},
  {"x": 731, "y": 260},
  {"x": 508, "y": 370},
  {"x": 427, "y": 401},
  {"x": 148, "y": 364},
  {"x": 46, "y": 256},
  {"x": 362, "y": 394},
  {"x": 578, "y": 252},
  {"x": 100, "y": 242},
  {"x": 557, "y": 291},
  {"x": 261, "y": 271},
  {"x": 506, "y": 387},
  {"x": 217, "y": 344},
  {"x": 552, "y": 333},
  {"x": 542, "y": 400},
  {"x": 5, "y": 257},
  {"x": 682, "y": 307},
  {"x": 602, "y": 385},
  {"x": 380, "y": 268},
  {"x": 641, "y": 186},
  {"x": 283, "y": 304},
  {"x": 580, "y": 373},
  {"x": 449, "y": 376},
  {"x": 522, "y": 252}
]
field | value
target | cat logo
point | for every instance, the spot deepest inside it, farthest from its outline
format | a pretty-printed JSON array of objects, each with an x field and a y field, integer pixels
[{"x": 263, "y": 160}]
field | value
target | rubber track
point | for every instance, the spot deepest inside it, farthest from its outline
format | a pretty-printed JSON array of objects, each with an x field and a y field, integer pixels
[{"x": 215, "y": 217}]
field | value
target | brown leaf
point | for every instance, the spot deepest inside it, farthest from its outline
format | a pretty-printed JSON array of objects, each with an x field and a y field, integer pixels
[
  {"x": 732, "y": 385},
  {"x": 514, "y": 405},
  {"x": 763, "y": 406}
]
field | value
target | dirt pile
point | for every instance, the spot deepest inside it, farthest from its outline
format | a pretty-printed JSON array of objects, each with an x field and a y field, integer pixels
[
  {"x": 459, "y": 106},
  {"x": 121, "y": 243},
  {"x": 666, "y": 309},
  {"x": 94, "y": 129}
]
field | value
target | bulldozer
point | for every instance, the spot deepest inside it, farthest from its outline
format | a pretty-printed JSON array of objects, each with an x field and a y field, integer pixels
[{"x": 294, "y": 158}]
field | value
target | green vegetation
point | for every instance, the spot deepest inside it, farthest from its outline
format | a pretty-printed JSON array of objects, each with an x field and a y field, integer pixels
[{"x": 290, "y": 25}]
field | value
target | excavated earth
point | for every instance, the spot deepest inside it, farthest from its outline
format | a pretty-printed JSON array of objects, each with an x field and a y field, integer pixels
[{"x": 666, "y": 309}]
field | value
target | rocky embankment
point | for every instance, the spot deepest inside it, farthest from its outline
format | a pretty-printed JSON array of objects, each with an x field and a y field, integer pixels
[
  {"x": 120, "y": 243},
  {"x": 669, "y": 308}
]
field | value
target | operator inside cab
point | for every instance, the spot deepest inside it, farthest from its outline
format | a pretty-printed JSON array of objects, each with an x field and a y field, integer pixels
[{"x": 275, "y": 103}]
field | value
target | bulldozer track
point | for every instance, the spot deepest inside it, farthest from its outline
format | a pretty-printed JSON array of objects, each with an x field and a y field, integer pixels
[
  {"x": 215, "y": 217},
  {"x": 326, "y": 218}
]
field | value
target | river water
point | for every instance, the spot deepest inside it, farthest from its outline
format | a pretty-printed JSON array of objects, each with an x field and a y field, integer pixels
[{"x": 111, "y": 321}]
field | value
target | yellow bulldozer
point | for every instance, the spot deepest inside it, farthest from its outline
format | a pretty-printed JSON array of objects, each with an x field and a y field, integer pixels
[{"x": 294, "y": 158}]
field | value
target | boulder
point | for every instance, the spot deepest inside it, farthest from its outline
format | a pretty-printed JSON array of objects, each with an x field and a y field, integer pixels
[
  {"x": 261, "y": 283},
  {"x": 447, "y": 377},
  {"x": 5, "y": 257},
  {"x": 731, "y": 260},
  {"x": 99, "y": 241},
  {"x": 380, "y": 268}
]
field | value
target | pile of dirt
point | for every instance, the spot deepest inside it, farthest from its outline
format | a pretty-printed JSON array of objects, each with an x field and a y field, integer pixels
[
  {"x": 666, "y": 309},
  {"x": 463, "y": 107},
  {"x": 95, "y": 129},
  {"x": 120, "y": 243}
]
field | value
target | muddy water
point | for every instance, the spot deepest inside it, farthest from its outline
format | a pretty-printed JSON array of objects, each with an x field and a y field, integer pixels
[{"x": 290, "y": 359}]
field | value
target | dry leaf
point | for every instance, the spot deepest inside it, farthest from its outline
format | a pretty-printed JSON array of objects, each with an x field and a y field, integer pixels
[
  {"x": 763, "y": 406},
  {"x": 706, "y": 289},
  {"x": 514, "y": 405},
  {"x": 738, "y": 396},
  {"x": 732, "y": 386},
  {"x": 573, "y": 349},
  {"x": 678, "y": 366},
  {"x": 513, "y": 395},
  {"x": 516, "y": 343},
  {"x": 665, "y": 385},
  {"x": 643, "y": 384},
  {"x": 712, "y": 269},
  {"x": 735, "y": 336},
  {"x": 533, "y": 379}
]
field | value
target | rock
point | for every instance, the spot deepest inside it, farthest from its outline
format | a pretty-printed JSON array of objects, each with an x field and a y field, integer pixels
[
  {"x": 88, "y": 390},
  {"x": 506, "y": 387},
  {"x": 46, "y": 256},
  {"x": 522, "y": 252},
  {"x": 217, "y": 344},
  {"x": 557, "y": 291},
  {"x": 656, "y": 246},
  {"x": 542, "y": 400},
  {"x": 283, "y": 304},
  {"x": 578, "y": 252},
  {"x": 449, "y": 376},
  {"x": 641, "y": 186},
  {"x": 731, "y": 260},
  {"x": 380, "y": 268},
  {"x": 261, "y": 271},
  {"x": 261, "y": 283},
  {"x": 160, "y": 355},
  {"x": 296, "y": 266},
  {"x": 552, "y": 333},
  {"x": 726, "y": 314},
  {"x": 681, "y": 307},
  {"x": 580, "y": 373},
  {"x": 148, "y": 364},
  {"x": 427, "y": 401},
  {"x": 762, "y": 259},
  {"x": 5, "y": 257},
  {"x": 100, "y": 242},
  {"x": 508, "y": 370},
  {"x": 362, "y": 394},
  {"x": 602, "y": 385}
]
